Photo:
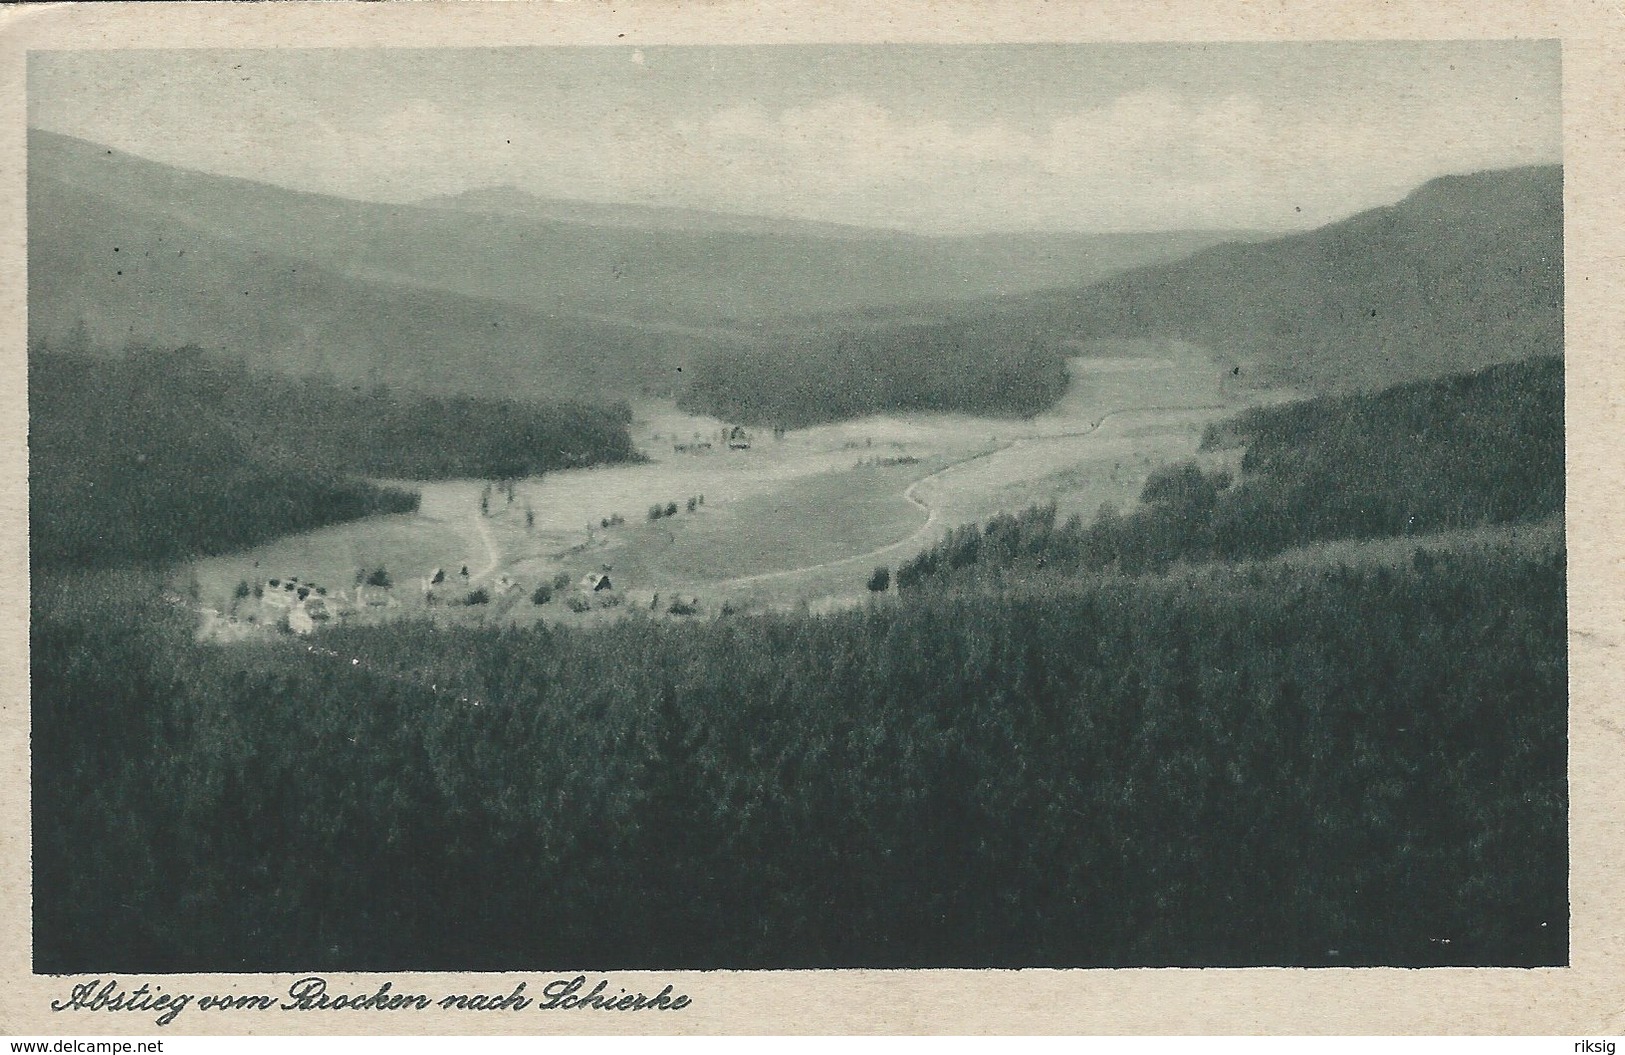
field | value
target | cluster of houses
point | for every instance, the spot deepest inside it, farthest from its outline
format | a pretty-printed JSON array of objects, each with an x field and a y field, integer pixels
[
  {"x": 301, "y": 607},
  {"x": 440, "y": 588},
  {"x": 735, "y": 438}
]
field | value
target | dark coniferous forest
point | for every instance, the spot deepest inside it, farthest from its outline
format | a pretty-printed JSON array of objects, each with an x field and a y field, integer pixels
[
  {"x": 166, "y": 453},
  {"x": 797, "y": 381},
  {"x": 1338, "y": 766},
  {"x": 1462, "y": 452},
  {"x": 1168, "y": 738}
]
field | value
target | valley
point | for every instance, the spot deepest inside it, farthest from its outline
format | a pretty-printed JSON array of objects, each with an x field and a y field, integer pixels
[
  {"x": 921, "y": 598},
  {"x": 795, "y": 520}
]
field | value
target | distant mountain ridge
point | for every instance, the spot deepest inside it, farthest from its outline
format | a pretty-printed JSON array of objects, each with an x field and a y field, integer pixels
[
  {"x": 1465, "y": 271},
  {"x": 509, "y": 200},
  {"x": 468, "y": 296},
  {"x": 490, "y": 303}
]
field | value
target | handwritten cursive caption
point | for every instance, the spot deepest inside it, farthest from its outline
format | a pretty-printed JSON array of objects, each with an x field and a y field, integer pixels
[{"x": 313, "y": 993}]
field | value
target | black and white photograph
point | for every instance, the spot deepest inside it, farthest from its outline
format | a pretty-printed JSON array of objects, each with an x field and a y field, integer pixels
[{"x": 797, "y": 506}]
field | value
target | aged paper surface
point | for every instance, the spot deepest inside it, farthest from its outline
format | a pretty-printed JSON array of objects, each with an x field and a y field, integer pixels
[{"x": 1586, "y": 997}]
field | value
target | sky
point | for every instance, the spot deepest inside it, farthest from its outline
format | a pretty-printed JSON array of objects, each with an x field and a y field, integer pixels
[{"x": 934, "y": 139}]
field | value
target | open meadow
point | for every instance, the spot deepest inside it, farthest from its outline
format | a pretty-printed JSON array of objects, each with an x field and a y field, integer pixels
[{"x": 762, "y": 520}]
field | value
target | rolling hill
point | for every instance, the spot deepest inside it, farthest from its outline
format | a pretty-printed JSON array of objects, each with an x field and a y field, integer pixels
[
  {"x": 161, "y": 454},
  {"x": 508, "y": 200},
  {"x": 476, "y": 298},
  {"x": 138, "y": 277},
  {"x": 1464, "y": 272},
  {"x": 496, "y": 292}
]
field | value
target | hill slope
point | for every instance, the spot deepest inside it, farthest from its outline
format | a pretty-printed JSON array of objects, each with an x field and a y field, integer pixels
[
  {"x": 508, "y": 200},
  {"x": 1457, "y": 453},
  {"x": 474, "y": 299},
  {"x": 497, "y": 292},
  {"x": 132, "y": 276},
  {"x": 163, "y": 454},
  {"x": 1464, "y": 272}
]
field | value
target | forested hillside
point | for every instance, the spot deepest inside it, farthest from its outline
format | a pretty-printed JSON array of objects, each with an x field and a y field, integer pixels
[
  {"x": 486, "y": 297},
  {"x": 1464, "y": 272},
  {"x": 125, "y": 274},
  {"x": 493, "y": 296},
  {"x": 1461, "y": 452},
  {"x": 1070, "y": 759},
  {"x": 795, "y": 381},
  {"x": 1337, "y": 766},
  {"x": 169, "y": 453}
]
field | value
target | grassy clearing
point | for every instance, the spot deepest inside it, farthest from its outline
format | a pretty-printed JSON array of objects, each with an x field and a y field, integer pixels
[
  {"x": 805, "y": 522},
  {"x": 794, "y": 508}
]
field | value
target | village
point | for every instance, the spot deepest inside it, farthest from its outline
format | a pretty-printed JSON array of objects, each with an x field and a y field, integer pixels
[
  {"x": 515, "y": 584},
  {"x": 291, "y": 606},
  {"x": 715, "y": 520}
]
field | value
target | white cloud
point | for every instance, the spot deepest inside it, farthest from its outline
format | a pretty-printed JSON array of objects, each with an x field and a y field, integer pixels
[
  {"x": 908, "y": 153},
  {"x": 1240, "y": 137},
  {"x": 1145, "y": 159}
]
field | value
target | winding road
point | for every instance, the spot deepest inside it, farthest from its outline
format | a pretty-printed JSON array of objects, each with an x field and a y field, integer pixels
[
  {"x": 482, "y": 528},
  {"x": 921, "y": 534}
]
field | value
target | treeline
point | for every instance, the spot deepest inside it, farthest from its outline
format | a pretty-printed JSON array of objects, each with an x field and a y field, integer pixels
[
  {"x": 371, "y": 431},
  {"x": 162, "y": 453},
  {"x": 1276, "y": 765},
  {"x": 1419, "y": 458},
  {"x": 1298, "y": 762},
  {"x": 1465, "y": 271},
  {"x": 793, "y": 381},
  {"x": 123, "y": 468}
]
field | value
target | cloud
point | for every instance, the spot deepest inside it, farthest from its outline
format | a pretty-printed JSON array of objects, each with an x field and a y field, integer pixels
[
  {"x": 943, "y": 154},
  {"x": 1143, "y": 159}
]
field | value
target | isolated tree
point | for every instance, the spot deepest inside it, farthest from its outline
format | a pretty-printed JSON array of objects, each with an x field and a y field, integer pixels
[
  {"x": 1184, "y": 486},
  {"x": 671, "y": 509},
  {"x": 692, "y": 502},
  {"x": 880, "y": 581},
  {"x": 380, "y": 577}
]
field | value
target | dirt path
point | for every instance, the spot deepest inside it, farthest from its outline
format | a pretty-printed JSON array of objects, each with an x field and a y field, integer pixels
[
  {"x": 924, "y": 531},
  {"x": 916, "y": 536},
  {"x": 482, "y": 528}
]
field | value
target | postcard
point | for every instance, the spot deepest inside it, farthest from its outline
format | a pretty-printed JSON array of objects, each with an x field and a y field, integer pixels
[{"x": 826, "y": 518}]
